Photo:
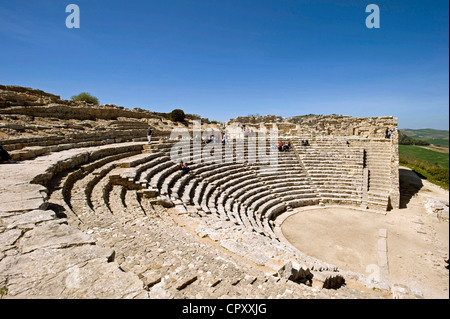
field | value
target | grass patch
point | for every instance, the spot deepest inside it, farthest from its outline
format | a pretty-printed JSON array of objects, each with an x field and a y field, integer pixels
[
  {"x": 412, "y": 152},
  {"x": 3, "y": 291},
  {"x": 437, "y": 141}
]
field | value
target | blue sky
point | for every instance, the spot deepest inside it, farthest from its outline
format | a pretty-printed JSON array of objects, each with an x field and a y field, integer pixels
[{"x": 225, "y": 58}]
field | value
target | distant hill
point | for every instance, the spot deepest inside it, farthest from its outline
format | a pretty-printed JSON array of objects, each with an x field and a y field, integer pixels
[
  {"x": 404, "y": 139},
  {"x": 432, "y": 136}
]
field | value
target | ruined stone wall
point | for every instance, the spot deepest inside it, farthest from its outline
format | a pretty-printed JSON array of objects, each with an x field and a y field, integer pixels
[
  {"x": 30, "y": 102},
  {"x": 395, "y": 177},
  {"x": 30, "y": 117},
  {"x": 322, "y": 125},
  {"x": 16, "y": 95}
]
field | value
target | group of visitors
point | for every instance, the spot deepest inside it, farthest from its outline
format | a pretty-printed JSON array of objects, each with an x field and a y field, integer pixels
[
  {"x": 389, "y": 132},
  {"x": 282, "y": 147},
  {"x": 4, "y": 156},
  {"x": 215, "y": 139},
  {"x": 247, "y": 131},
  {"x": 286, "y": 147},
  {"x": 211, "y": 139},
  {"x": 184, "y": 167},
  {"x": 305, "y": 143}
]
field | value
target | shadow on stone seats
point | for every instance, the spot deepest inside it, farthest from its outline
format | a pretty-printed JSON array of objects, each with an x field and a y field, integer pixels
[
  {"x": 410, "y": 185},
  {"x": 58, "y": 209}
]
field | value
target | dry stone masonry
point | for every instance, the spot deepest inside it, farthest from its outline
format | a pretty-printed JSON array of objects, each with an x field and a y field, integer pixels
[{"x": 91, "y": 210}]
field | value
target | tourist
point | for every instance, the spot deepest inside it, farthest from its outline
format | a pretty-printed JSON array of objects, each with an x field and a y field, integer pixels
[
  {"x": 246, "y": 132},
  {"x": 388, "y": 133},
  {"x": 4, "y": 156},
  {"x": 280, "y": 146},
  {"x": 224, "y": 139},
  {"x": 149, "y": 135},
  {"x": 184, "y": 167},
  {"x": 306, "y": 143}
]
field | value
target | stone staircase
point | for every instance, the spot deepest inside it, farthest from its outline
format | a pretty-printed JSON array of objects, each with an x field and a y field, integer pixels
[{"x": 336, "y": 171}]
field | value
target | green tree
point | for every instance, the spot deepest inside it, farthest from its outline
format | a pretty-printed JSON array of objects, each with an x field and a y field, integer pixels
[
  {"x": 177, "y": 115},
  {"x": 404, "y": 139},
  {"x": 85, "y": 97}
]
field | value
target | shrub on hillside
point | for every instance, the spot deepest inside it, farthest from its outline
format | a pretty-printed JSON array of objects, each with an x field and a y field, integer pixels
[
  {"x": 177, "y": 115},
  {"x": 85, "y": 97},
  {"x": 406, "y": 140}
]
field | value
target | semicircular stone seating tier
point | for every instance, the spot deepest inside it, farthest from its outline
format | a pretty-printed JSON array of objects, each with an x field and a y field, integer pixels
[
  {"x": 246, "y": 196},
  {"x": 116, "y": 192}
]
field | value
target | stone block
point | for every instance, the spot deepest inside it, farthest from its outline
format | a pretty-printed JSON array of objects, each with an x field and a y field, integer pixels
[
  {"x": 149, "y": 192},
  {"x": 382, "y": 245},
  {"x": 150, "y": 278},
  {"x": 53, "y": 235},
  {"x": 295, "y": 272},
  {"x": 29, "y": 219},
  {"x": 163, "y": 201},
  {"x": 185, "y": 281}
]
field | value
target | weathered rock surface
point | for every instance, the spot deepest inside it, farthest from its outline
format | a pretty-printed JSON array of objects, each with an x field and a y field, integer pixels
[
  {"x": 437, "y": 208},
  {"x": 164, "y": 201}
]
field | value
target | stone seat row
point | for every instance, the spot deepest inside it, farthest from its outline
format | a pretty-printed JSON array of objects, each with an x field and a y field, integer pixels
[
  {"x": 78, "y": 139},
  {"x": 329, "y": 157},
  {"x": 91, "y": 173}
]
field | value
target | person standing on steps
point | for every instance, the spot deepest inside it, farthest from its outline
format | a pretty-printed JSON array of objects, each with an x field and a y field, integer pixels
[{"x": 149, "y": 135}]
